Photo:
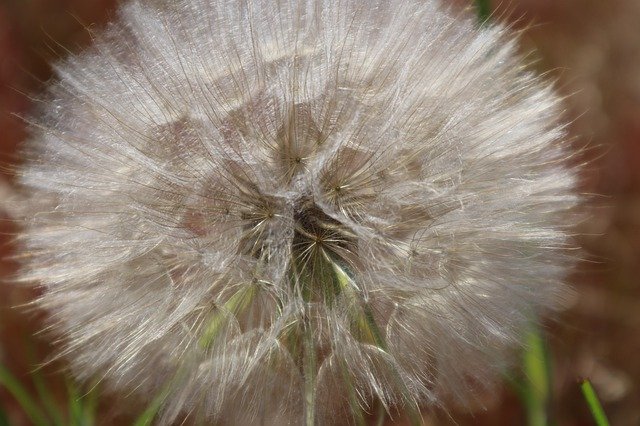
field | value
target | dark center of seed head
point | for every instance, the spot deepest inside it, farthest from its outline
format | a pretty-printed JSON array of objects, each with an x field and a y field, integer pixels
[
  {"x": 320, "y": 246},
  {"x": 314, "y": 226}
]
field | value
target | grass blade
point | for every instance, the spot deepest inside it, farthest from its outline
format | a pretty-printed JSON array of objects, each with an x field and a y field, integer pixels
[
  {"x": 90, "y": 405},
  {"x": 537, "y": 388},
  {"x": 21, "y": 395},
  {"x": 146, "y": 418},
  {"x": 75, "y": 404},
  {"x": 594, "y": 403},
  {"x": 4, "y": 421},
  {"x": 483, "y": 8},
  {"x": 47, "y": 399}
]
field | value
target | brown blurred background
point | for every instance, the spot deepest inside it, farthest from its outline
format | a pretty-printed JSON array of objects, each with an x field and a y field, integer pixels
[{"x": 592, "y": 49}]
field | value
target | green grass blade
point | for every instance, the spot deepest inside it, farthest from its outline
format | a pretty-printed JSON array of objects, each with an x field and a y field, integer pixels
[
  {"x": 146, "y": 418},
  {"x": 76, "y": 416},
  {"x": 537, "y": 387},
  {"x": 483, "y": 8},
  {"x": 47, "y": 399},
  {"x": 90, "y": 406},
  {"x": 4, "y": 421},
  {"x": 594, "y": 403},
  {"x": 21, "y": 395},
  {"x": 46, "y": 396}
]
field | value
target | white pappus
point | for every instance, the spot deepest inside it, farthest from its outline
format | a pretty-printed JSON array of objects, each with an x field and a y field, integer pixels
[{"x": 292, "y": 212}]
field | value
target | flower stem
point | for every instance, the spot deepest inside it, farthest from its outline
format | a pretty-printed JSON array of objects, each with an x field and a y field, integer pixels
[{"x": 309, "y": 366}]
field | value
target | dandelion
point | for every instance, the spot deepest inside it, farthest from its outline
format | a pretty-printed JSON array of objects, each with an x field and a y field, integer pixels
[{"x": 284, "y": 212}]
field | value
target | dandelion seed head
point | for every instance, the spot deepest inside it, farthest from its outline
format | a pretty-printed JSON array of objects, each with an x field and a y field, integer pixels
[{"x": 270, "y": 209}]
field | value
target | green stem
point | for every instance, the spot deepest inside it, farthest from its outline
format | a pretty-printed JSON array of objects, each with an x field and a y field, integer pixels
[{"x": 309, "y": 366}]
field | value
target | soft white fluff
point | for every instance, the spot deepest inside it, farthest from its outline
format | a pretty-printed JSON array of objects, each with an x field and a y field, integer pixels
[{"x": 284, "y": 210}]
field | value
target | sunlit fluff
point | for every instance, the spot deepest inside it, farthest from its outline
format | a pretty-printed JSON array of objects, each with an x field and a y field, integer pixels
[{"x": 295, "y": 211}]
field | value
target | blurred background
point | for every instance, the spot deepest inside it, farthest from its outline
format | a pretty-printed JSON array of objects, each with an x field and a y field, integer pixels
[{"x": 590, "y": 47}]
